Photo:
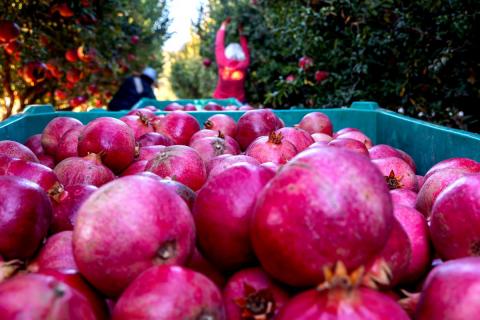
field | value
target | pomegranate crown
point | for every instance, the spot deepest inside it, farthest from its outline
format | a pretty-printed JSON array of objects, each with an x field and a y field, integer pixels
[
  {"x": 256, "y": 304},
  {"x": 394, "y": 182},
  {"x": 275, "y": 138}
]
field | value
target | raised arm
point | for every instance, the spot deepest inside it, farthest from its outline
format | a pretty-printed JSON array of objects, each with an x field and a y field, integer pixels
[
  {"x": 243, "y": 42},
  {"x": 220, "y": 44}
]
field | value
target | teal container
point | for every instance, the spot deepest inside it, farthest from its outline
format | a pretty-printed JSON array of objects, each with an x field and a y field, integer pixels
[
  {"x": 199, "y": 103},
  {"x": 427, "y": 143}
]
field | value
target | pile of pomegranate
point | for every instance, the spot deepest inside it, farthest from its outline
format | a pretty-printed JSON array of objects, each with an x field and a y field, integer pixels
[{"x": 154, "y": 217}]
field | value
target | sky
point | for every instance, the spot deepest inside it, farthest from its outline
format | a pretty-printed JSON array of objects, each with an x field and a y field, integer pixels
[{"x": 182, "y": 12}]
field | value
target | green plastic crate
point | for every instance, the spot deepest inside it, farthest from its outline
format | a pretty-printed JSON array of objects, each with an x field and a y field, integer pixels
[
  {"x": 199, "y": 103},
  {"x": 425, "y": 142}
]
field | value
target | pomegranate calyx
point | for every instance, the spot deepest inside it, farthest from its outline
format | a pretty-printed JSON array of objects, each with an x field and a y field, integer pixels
[
  {"x": 338, "y": 277},
  {"x": 143, "y": 118},
  {"x": 275, "y": 138},
  {"x": 137, "y": 149},
  {"x": 9, "y": 268},
  {"x": 256, "y": 305},
  {"x": 57, "y": 192},
  {"x": 379, "y": 276},
  {"x": 218, "y": 147},
  {"x": 167, "y": 251},
  {"x": 221, "y": 135},
  {"x": 393, "y": 182},
  {"x": 208, "y": 124}
]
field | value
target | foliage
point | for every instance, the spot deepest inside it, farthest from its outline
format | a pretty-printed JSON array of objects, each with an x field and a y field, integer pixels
[
  {"x": 189, "y": 77},
  {"x": 418, "y": 57},
  {"x": 122, "y": 36}
]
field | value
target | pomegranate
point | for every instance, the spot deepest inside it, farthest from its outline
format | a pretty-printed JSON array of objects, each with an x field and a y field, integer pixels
[
  {"x": 465, "y": 164},
  {"x": 398, "y": 174},
  {"x": 415, "y": 225},
  {"x": 234, "y": 190},
  {"x": 181, "y": 163},
  {"x": 156, "y": 228},
  {"x": 38, "y": 296},
  {"x": 390, "y": 265},
  {"x": 55, "y": 254},
  {"x": 301, "y": 139},
  {"x": 35, "y": 172},
  {"x": 111, "y": 138},
  {"x": 316, "y": 122},
  {"x": 134, "y": 168},
  {"x": 455, "y": 219},
  {"x": 408, "y": 159},
  {"x": 319, "y": 144},
  {"x": 174, "y": 106},
  {"x": 222, "y": 123},
  {"x": 432, "y": 187},
  {"x": 53, "y": 132},
  {"x": 403, "y": 197},
  {"x": 381, "y": 151},
  {"x": 212, "y": 147},
  {"x": 220, "y": 163},
  {"x": 34, "y": 143},
  {"x": 271, "y": 149},
  {"x": 187, "y": 194},
  {"x": 420, "y": 181},
  {"x": 274, "y": 167},
  {"x": 231, "y": 108},
  {"x": 205, "y": 133},
  {"x": 154, "y": 139},
  {"x": 25, "y": 215},
  {"x": 170, "y": 292},
  {"x": 46, "y": 160},
  {"x": 349, "y": 144},
  {"x": 255, "y": 123},
  {"x": 320, "y": 137},
  {"x": 212, "y": 106},
  {"x": 357, "y": 135},
  {"x": 140, "y": 124},
  {"x": 190, "y": 107},
  {"x": 86, "y": 170},
  {"x": 344, "y": 130},
  {"x": 251, "y": 294},
  {"x": 143, "y": 113},
  {"x": 68, "y": 146},
  {"x": 341, "y": 298},
  {"x": 9, "y": 31},
  {"x": 149, "y": 152},
  {"x": 334, "y": 200},
  {"x": 179, "y": 126},
  {"x": 65, "y": 209},
  {"x": 17, "y": 150},
  {"x": 199, "y": 264},
  {"x": 451, "y": 291}
]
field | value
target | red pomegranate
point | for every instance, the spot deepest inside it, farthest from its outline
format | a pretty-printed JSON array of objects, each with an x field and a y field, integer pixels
[
  {"x": 9, "y": 31},
  {"x": 301, "y": 139},
  {"x": 398, "y": 174},
  {"x": 34, "y": 143},
  {"x": 147, "y": 112},
  {"x": 415, "y": 225},
  {"x": 134, "y": 168},
  {"x": 335, "y": 201},
  {"x": 381, "y": 151},
  {"x": 340, "y": 298},
  {"x": 199, "y": 264},
  {"x": 344, "y": 130},
  {"x": 321, "y": 137},
  {"x": 221, "y": 163},
  {"x": 156, "y": 228},
  {"x": 86, "y": 170},
  {"x": 15, "y": 149},
  {"x": 274, "y": 167},
  {"x": 205, "y": 133},
  {"x": 316, "y": 122},
  {"x": 68, "y": 146},
  {"x": 251, "y": 294},
  {"x": 222, "y": 123},
  {"x": 212, "y": 147},
  {"x": 451, "y": 291},
  {"x": 149, "y": 152},
  {"x": 465, "y": 164},
  {"x": 170, "y": 292},
  {"x": 181, "y": 163},
  {"x": 255, "y": 123},
  {"x": 55, "y": 254},
  {"x": 53, "y": 132},
  {"x": 349, "y": 144},
  {"x": 235, "y": 190},
  {"x": 305, "y": 62},
  {"x": 187, "y": 194},
  {"x": 140, "y": 124},
  {"x": 420, "y": 181},
  {"x": 190, "y": 107},
  {"x": 65, "y": 209},
  {"x": 173, "y": 107},
  {"x": 246, "y": 107},
  {"x": 207, "y": 62},
  {"x": 71, "y": 55},
  {"x": 154, "y": 139},
  {"x": 403, "y": 197},
  {"x": 455, "y": 219},
  {"x": 408, "y": 159},
  {"x": 357, "y": 135},
  {"x": 179, "y": 126},
  {"x": 111, "y": 138},
  {"x": 46, "y": 160},
  {"x": 320, "y": 144},
  {"x": 273, "y": 148},
  {"x": 38, "y": 296},
  {"x": 432, "y": 187},
  {"x": 25, "y": 216},
  {"x": 212, "y": 106}
]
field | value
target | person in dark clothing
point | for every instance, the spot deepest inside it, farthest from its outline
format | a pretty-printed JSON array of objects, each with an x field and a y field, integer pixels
[{"x": 133, "y": 89}]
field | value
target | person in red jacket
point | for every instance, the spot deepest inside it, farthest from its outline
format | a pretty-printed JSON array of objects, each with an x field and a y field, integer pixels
[{"x": 232, "y": 62}]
